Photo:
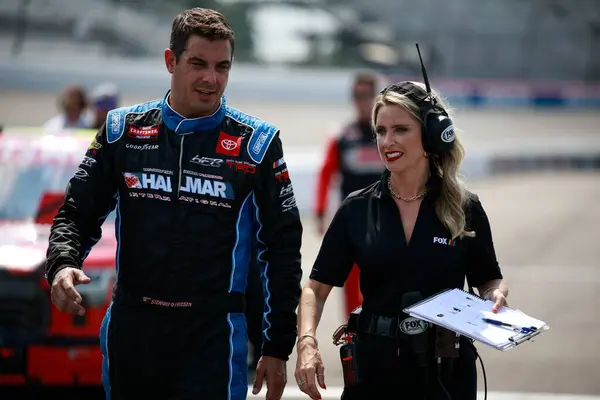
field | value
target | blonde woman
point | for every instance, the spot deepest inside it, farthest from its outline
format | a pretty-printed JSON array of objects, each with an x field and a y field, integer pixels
[{"x": 417, "y": 230}]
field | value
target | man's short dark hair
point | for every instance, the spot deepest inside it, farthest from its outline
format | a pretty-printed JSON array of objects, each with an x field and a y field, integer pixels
[
  {"x": 365, "y": 78},
  {"x": 204, "y": 22}
]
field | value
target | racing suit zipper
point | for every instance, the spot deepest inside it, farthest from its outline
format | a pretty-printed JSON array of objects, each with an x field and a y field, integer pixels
[{"x": 179, "y": 170}]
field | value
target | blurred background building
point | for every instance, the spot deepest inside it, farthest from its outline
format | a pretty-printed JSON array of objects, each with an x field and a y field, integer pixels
[
  {"x": 509, "y": 39},
  {"x": 544, "y": 51}
]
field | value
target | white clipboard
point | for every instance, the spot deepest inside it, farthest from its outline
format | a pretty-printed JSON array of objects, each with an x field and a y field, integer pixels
[{"x": 464, "y": 313}]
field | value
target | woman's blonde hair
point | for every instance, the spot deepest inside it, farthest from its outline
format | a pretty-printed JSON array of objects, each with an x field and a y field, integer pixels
[{"x": 450, "y": 205}]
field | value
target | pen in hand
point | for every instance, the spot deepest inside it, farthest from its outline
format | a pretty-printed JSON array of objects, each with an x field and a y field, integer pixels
[{"x": 506, "y": 324}]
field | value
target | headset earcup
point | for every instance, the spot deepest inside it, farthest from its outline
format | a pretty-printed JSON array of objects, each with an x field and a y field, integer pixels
[
  {"x": 445, "y": 136},
  {"x": 439, "y": 132}
]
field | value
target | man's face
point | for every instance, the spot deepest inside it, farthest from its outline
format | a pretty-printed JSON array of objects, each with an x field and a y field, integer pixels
[
  {"x": 363, "y": 97},
  {"x": 200, "y": 77}
]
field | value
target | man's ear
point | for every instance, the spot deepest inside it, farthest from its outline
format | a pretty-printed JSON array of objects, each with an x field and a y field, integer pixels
[{"x": 170, "y": 60}]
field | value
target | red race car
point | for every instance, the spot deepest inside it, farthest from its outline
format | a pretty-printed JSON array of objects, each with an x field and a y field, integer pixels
[{"x": 41, "y": 347}]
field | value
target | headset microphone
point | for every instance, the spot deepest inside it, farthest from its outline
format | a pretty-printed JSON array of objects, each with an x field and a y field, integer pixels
[{"x": 425, "y": 79}]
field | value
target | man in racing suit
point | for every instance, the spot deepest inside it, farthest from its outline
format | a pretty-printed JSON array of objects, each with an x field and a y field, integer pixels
[
  {"x": 352, "y": 155},
  {"x": 195, "y": 183}
]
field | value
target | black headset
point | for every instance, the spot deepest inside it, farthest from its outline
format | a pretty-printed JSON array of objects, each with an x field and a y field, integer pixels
[{"x": 437, "y": 128}]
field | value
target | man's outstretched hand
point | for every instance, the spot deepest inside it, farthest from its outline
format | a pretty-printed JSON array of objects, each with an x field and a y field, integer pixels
[{"x": 63, "y": 293}]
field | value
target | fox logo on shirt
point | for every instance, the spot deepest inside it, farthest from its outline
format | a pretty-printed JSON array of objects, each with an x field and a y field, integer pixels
[{"x": 446, "y": 241}]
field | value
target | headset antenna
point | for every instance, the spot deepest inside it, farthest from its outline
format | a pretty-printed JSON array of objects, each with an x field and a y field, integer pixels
[{"x": 425, "y": 79}]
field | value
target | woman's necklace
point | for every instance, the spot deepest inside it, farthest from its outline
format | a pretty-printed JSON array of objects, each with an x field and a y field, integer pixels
[{"x": 408, "y": 199}]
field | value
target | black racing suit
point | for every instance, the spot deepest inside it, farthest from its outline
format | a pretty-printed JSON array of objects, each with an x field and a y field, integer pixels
[{"x": 192, "y": 196}]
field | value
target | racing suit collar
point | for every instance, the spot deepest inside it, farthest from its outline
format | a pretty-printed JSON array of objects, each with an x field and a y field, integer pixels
[{"x": 180, "y": 125}]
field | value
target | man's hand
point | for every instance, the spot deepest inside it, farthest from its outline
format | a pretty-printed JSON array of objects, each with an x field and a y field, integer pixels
[
  {"x": 64, "y": 295},
  {"x": 274, "y": 371}
]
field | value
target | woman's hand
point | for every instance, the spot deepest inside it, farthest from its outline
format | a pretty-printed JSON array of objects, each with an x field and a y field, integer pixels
[
  {"x": 499, "y": 300},
  {"x": 309, "y": 366}
]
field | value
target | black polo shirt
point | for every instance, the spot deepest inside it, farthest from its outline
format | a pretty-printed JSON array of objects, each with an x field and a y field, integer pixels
[{"x": 367, "y": 229}]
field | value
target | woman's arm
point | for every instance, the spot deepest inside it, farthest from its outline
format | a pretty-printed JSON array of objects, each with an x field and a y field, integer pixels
[
  {"x": 312, "y": 300},
  {"x": 331, "y": 268},
  {"x": 483, "y": 270},
  {"x": 495, "y": 290},
  {"x": 487, "y": 289},
  {"x": 310, "y": 370}
]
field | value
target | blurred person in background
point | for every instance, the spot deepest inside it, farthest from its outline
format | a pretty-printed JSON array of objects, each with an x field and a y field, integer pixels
[
  {"x": 388, "y": 229},
  {"x": 194, "y": 182},
  {"x": 72, "y": 103},
  {"x": 352, "y": 157},
  {"x": 104, "y": 97}
]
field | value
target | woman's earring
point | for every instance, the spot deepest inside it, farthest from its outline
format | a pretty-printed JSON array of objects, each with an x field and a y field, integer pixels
[{"x": 425, "y": 154}]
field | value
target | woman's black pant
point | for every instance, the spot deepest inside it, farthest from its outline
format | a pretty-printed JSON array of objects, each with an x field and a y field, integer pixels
[{"x": 387, "y": 370}]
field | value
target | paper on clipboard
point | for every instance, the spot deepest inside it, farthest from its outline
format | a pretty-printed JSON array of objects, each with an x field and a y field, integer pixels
[{"x": 462, "y": 312}]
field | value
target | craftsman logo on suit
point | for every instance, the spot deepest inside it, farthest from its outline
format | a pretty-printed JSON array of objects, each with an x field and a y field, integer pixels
[
  {"x": 143, "y": 132},
  {"x": 95, "y": 145},
  {"x": 229, "y": 145}
]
